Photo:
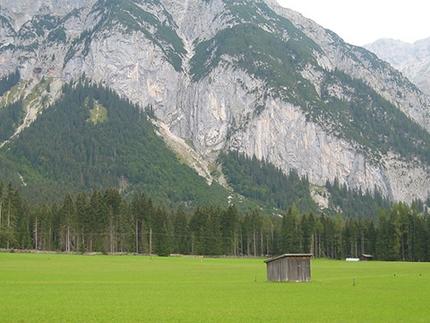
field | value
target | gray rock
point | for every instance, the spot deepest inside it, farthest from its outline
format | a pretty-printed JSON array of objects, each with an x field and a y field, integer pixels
[{"x": 413, "y": 60}]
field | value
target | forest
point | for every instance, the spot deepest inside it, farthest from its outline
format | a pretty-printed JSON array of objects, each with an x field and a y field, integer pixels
[
  {"x": 106, "y": 222},
  {"x": 93, "y": 139}
]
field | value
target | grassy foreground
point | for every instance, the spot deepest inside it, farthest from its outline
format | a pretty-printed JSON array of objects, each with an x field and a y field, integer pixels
[{"x": 75, "y": 288}]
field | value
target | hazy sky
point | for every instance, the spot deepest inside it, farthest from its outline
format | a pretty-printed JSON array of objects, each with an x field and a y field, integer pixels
[{"x": 361, "y": 22}]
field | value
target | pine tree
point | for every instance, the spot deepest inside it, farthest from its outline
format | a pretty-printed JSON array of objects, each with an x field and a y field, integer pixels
[
  {"x": 229, "y": 226},
  {"x": 83, "y": 226},
  {"x": 211, "y": 232},
  {"x": 113, "y": 201},
  {"x": 125, "y": 229},
  {"x": 42, "y": 227},
  {"x": 10, "y": 207},
  {"x": 182, "y": 243},
  {"x": 387, "y": 240},
  {"x": 307, "y": 228},
  {"x": 196, "y": 225},
  {"x": 68, "y": 224},
  {"x": 291, "y": 230},
  {"x": 162, "y": 233},
  {"x": 98, "y": 222}
]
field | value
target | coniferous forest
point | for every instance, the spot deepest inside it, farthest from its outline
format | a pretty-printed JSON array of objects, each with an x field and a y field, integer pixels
[
  {"x": 106, "y": 222},
  {"x": 93, "y": 139}
]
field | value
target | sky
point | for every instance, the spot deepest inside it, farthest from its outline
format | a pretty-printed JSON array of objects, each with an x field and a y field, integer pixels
[{"x": 361, "y": 22}]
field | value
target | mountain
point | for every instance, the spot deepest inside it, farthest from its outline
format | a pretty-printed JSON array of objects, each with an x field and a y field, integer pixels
[
  {"x": 227, "y": 75},
  {"x": 413, "y": 60},
  {"x": 91, "y": 139}
]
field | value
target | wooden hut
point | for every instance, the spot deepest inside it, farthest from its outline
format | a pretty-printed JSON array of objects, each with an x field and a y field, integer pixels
[
  {"x": 364, "y": 257},
  {"x": 289, "y": 267}
]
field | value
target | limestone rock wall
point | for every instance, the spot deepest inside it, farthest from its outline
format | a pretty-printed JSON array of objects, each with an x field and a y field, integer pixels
[{"x": 219, "y": 112}]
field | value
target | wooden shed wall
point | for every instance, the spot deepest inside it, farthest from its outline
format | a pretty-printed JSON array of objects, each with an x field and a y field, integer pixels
[{"x": 296, "y": 269}]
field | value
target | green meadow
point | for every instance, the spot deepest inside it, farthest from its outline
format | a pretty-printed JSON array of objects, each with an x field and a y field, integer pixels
[{"x": 82, "y": 288}]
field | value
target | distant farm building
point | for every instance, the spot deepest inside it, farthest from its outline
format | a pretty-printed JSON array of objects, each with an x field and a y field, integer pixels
[
  {"x": 366, "y": 257},
  {"x": 289, "y": 267}
]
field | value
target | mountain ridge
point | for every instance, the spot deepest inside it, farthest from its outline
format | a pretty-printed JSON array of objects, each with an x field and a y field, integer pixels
[
  {"x": 293, "y": 106},
  {"x": 412, "y": 59}
]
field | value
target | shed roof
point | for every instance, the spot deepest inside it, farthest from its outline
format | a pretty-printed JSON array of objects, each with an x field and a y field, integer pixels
[{"x": 290, "y": 255}]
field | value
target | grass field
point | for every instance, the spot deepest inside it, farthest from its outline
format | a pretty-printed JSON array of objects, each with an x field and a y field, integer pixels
[{"x": 77, "y": 288}]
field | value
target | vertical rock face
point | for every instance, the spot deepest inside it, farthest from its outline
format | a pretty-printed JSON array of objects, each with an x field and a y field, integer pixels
[{"x": 199, "y": 66}]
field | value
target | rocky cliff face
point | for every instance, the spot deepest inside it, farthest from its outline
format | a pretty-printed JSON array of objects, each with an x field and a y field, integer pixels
[
  {"x": 176, "y": 56},
  {"x": 413, "y": 60}
]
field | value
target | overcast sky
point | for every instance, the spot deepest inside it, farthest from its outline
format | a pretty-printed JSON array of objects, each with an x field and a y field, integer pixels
[{"x": 361, "y": 22}]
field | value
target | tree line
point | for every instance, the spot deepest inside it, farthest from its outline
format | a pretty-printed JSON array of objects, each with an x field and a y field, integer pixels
[
  {"x": 261, "y": 181},
  {"x": 107, "y": 222}
]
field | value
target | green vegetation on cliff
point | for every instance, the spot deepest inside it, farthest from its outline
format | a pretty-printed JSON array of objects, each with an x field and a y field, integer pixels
[{"x": 91, "y": 139}]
